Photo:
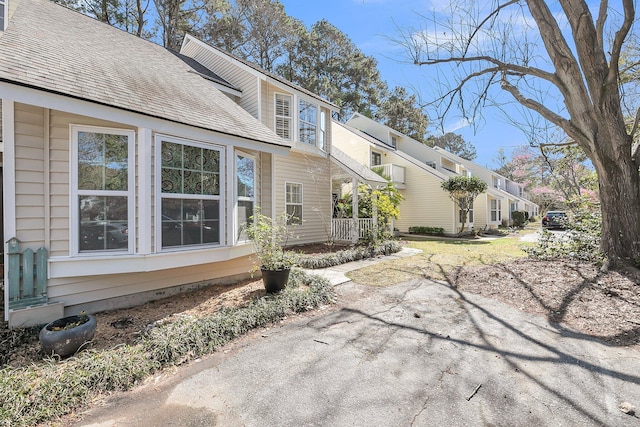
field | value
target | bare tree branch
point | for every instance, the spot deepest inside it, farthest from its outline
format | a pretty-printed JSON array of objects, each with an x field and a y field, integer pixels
[
  {"x": 491, "y": 15},
  {"x": 501, "y": 66},
  {"x": 618, "y": 41}
]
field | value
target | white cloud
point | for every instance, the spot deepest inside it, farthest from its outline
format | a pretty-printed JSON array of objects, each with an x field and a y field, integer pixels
[{"x": 452, "y": 127}]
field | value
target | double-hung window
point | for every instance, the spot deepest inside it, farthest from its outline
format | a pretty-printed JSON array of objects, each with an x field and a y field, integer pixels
[
  {"x": 496, "y": 210},
  {"x": 461, "y": 216},
  {"x": 190, "y": 193},
  {"x": 293, "y": 202},
  {"x": 323, "y": 131},
  {"x": 376, "y": 158},
  {"x": 284, "y": 118},
  {"x": 246, "y": 192},
  {"x": 308, "y": 122},
  {"x": 102, "y": 189}
]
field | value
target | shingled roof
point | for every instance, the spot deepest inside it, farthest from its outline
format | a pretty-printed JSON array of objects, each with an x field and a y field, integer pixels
[{"x": 55, "y": 49}]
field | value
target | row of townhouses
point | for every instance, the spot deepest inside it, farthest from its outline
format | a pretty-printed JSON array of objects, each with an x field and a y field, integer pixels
[{"x": 133, "y": 168}]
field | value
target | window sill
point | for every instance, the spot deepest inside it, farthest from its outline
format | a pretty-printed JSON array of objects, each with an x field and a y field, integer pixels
[
  {"x": 121, "y": 264},
  {"x": 301, "y": 147}
]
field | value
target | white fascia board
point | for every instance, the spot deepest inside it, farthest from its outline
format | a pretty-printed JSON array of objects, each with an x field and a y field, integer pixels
[
  {"x": 61, "y": 267},
  {"x": 90, "y": 109}
]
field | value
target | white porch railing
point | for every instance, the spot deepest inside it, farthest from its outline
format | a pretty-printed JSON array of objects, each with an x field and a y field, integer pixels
[
  {"x": 395, "y": 172},
  {"x": 345, "y": 229}
]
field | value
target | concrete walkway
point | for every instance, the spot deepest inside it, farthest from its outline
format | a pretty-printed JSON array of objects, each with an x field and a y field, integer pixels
[
  {"x": 415, "y": 354},
  {"x": 337, "y": 274}
]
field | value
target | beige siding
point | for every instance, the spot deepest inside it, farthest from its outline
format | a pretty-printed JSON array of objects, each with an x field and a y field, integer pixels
[
  {"x": 424, "y": 204},
  {"x": 234, "y": 74},
  {"x": 29, "y": 175},
  {"x": 357, "y": 148},
  {"x": 314, "y": 175},
  {"x": 83, "y": 290},
  {"x": 481, "y": 212},
  {"x": 265, "y": 194}
]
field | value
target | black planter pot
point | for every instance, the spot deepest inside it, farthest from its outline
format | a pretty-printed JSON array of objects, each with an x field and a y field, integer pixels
[
  {"x": 275, "y": 280},
  {"x": 65, "y": 342}
]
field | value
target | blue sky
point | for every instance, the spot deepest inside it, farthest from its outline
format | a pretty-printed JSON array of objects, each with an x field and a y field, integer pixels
[{"x": 370, "y": 24}]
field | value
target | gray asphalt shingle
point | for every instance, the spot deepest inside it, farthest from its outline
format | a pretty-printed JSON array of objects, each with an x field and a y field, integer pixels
[{"x": 52, "y": 48}]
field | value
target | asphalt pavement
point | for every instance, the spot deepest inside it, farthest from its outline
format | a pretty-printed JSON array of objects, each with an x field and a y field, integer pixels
[{"x": 415, "y": 354}]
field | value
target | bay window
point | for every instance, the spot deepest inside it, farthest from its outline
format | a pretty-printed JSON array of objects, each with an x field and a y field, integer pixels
[
  {"x": 190, "y": 193},
  {"x": 102, "y": 189}
]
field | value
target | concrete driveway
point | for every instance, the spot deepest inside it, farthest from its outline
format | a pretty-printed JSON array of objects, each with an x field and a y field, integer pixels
[{"x": 415, "y": 354}]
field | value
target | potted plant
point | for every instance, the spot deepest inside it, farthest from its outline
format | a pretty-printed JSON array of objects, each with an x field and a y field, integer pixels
[
  {"x": 64, "y": 337},
  {"x": 269, "y": 237}
]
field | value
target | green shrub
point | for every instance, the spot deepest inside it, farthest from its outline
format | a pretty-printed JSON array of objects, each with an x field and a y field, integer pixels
[
  {"x": 519, "y": 218},
  {"x": 190, "y": 337},
  {"x": 432, "y": 231},
  {"x": 348, "y": 255},
  {"x": 42, "y": 392},
  {"x": 581, "y": 241}
]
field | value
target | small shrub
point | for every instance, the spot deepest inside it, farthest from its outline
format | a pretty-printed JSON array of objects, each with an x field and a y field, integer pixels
[
  {"x": 348, "y": 255},
  {"x": 431, "y": 231},
  {"x": 581, "y": 241},
  {"x": 519, "y": 218}
]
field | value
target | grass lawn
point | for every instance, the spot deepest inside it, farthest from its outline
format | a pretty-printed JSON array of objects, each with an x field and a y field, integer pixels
[{"x": 441, "y": 256}]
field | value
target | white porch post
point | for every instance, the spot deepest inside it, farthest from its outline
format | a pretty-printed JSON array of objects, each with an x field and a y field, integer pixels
[
  {"x": 354, "y": 203},
  {"x": 374, "y": 212}
]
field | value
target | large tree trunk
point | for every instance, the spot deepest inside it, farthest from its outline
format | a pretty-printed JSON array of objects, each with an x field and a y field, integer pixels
[{"x": 619, "y": 183}]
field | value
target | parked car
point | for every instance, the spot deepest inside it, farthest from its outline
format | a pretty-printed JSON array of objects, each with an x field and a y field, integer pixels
[{"x": 554, "y": 219}]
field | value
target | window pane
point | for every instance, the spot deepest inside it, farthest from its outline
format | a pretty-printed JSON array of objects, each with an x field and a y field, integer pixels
[
  {"x": 294, "y": 193},
  {"x": 192, "y": 182},
  {"x": 190, "y": 170},
  {"x": 283, "y": 127},
  {"x": 190, "y": 222},
  {"x": 308, "y": 115},
  {"x": 294, "y": 212},
  {"x": 102, "y": 161},
  {"x": 245, "y": 171},
  {"x": 103, "y": 223},
  {"x": 171, "y": 155},
  {"x": 210, "y": 184},
  {"x": 245, "y": 211}
]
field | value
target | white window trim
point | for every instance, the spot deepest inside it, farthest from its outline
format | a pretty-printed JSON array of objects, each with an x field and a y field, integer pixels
[
  {"x": 299, "y": 121},
  {"x": 291, "y": 117},
  {"x": 74, "y": 215},
  {"x": 373, "y": 153},
  {"x": 301, "y": 204},
  {"x": 497, "y": 209},
  {"x": 159, "y": 195},
  {"x": 6, "y": 14},
  {"x": 239, "y": 198}
]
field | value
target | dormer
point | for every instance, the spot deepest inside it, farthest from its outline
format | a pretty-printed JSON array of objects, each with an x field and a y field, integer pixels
[
  {"x": 393, "y": 140},
  {"x": 300, "y": 119},
  {"x": 448, "y": 165},
  {"x": 496, "y": 182}
]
